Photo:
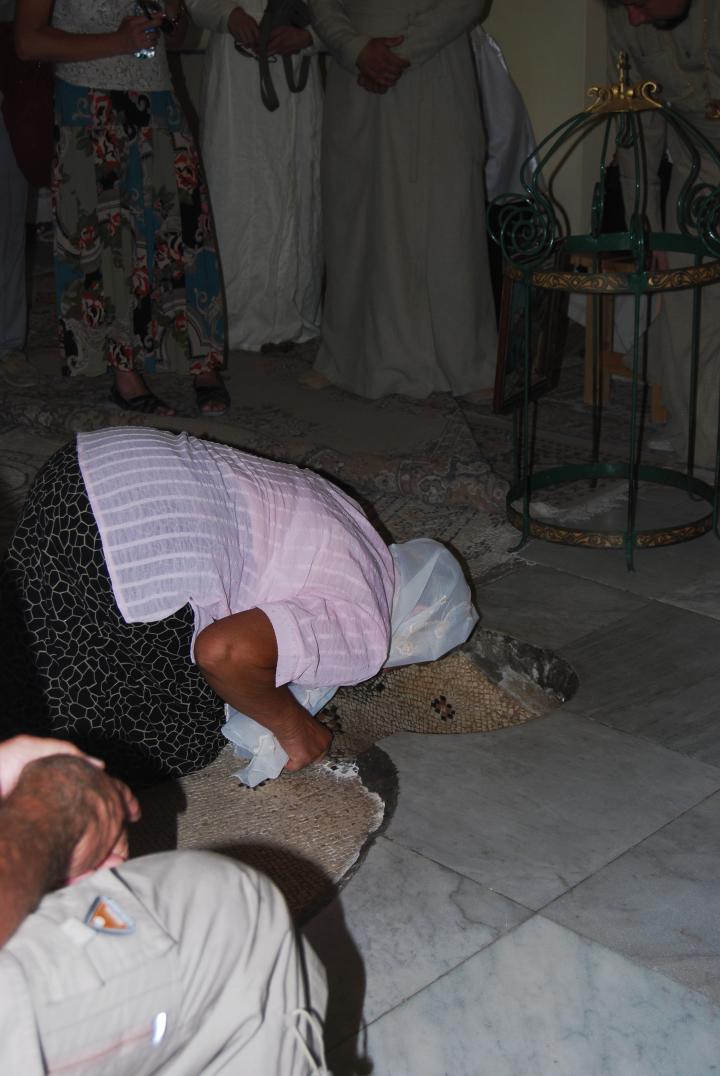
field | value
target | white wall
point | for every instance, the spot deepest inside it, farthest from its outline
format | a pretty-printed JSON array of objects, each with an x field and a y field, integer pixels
[{"x": 556, "y": 50}]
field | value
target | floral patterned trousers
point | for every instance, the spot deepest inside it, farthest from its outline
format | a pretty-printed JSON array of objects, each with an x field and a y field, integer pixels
[{"x": 136, "y": 268}]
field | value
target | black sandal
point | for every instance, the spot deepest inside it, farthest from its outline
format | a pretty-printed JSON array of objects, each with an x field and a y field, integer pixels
[
  {"x": 209, "y": 394},
  {"x": 147, "y": 403}
]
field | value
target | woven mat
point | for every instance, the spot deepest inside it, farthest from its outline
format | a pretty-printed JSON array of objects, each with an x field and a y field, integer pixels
[
  {"x": 308, "y": 831},
  {"x": 492, "y": 682}
]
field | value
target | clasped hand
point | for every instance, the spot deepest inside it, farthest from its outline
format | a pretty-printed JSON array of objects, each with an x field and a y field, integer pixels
[
  {"x": 138, "y": 32},
  {"x": 381, "y": 68},
  {"x": 284, "y": 40}
]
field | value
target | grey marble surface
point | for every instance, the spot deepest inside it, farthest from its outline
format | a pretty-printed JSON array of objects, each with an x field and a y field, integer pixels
[
  {"x": 542, "y": 1002},
  {"x": 700, "y": 595},
  {"x": 400, "y": 923},
  {"x": 656, "y": 675},
  {"x": 658, "y": 903},
  {"x": 534, "y": 810},
  {"x": 658, "y": 572},
  {"x": 551, "y": 608}
]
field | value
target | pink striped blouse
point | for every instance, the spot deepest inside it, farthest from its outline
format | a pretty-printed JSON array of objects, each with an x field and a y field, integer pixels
[{"x": 185, "y": 520}]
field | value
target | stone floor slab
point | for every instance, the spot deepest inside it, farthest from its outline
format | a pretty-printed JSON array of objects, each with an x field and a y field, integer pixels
[
  {"x": 552, "y": 608},
  {"x": 542, "y": 1001},
  {"x": 532, "y": 811},
  {"x": 655, "y": 674},
  {"x": 699, "y": 596},
  {"x": 659, "y": 572},
  {"x": 400, "y": 922},
  {"x": 658, "y": 903}
]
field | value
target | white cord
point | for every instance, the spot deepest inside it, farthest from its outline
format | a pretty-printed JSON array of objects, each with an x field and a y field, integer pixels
[{"x": 316, "y": 1027}]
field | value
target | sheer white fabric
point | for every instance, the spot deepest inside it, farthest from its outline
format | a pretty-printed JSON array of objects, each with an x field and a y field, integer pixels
[{"x": 510, "y": 137}]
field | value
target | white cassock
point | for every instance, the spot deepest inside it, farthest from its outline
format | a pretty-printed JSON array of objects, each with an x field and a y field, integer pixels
[
  {"x": 509, "y": 132},
  {"x": 408, "y": 306},
  {"x": 688, "y": 72},
  {"x": 263, "y": 171}
]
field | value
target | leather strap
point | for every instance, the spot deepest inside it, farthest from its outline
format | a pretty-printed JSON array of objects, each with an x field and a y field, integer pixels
[{"x": 281, "y": 13}]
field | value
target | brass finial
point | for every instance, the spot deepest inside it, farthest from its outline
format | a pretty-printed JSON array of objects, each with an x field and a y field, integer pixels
[{"x": 623, "y": 97}]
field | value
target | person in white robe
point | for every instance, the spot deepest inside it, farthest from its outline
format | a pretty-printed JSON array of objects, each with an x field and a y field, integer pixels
[
  {"x": 408, "y": 306},
  {"x": 666, "y": 41},
  {"x": 510, "y": 138},
  {"x": 508, "y": 128},
  {"x": 263, "y": 171}
]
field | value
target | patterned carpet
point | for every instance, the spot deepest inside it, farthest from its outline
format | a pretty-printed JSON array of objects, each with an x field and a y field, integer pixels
[{"x": 437, "y": 467}]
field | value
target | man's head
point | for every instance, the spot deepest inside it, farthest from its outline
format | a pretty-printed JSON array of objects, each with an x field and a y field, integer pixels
[{"x": 662, "y": 14}]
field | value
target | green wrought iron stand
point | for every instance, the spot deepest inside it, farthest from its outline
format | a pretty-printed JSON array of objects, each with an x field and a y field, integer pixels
[{"x": 526, "y": 228}]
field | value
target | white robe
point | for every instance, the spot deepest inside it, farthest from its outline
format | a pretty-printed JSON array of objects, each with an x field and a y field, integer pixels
[
  {"x": 263, "y": 171},
  {"x": 408, "y": 307},
  {"x": 680, "y": 63},
  {"x": 509, "y": 132}
]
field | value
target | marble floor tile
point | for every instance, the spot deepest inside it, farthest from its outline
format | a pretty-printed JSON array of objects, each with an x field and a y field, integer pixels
[
  {"x": 659, "y": 572},
  {"x": 700, "y": 596},
  {"x": 658, "y": 903},
  {"x": 550, "y": 608},
  {"x": 532, "y": 811},
  {"x": 656, "y": 675},
  {"x": 542, "y": 1001},
  {"x": 401, "y": 922}
]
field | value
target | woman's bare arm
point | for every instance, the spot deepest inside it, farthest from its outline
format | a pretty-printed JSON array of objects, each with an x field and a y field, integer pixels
[
  {"x": 238, "y": 657},
  {"x": 36, "y": 39}
]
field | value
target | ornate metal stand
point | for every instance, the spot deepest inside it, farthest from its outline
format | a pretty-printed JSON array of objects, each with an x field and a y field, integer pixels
[{"x": 529, "y": 236}]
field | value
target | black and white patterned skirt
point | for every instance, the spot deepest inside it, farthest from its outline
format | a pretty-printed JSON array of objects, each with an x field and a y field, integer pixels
[{"x": 72, "y": 667}]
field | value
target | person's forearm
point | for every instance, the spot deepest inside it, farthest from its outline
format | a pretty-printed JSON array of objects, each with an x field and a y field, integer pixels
[
  {"x": 34, "y": 854},
  {"x": 274, "y": 707},
  {"x": 303, "y": 737},
  {"x": 238, "y": 657}
]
